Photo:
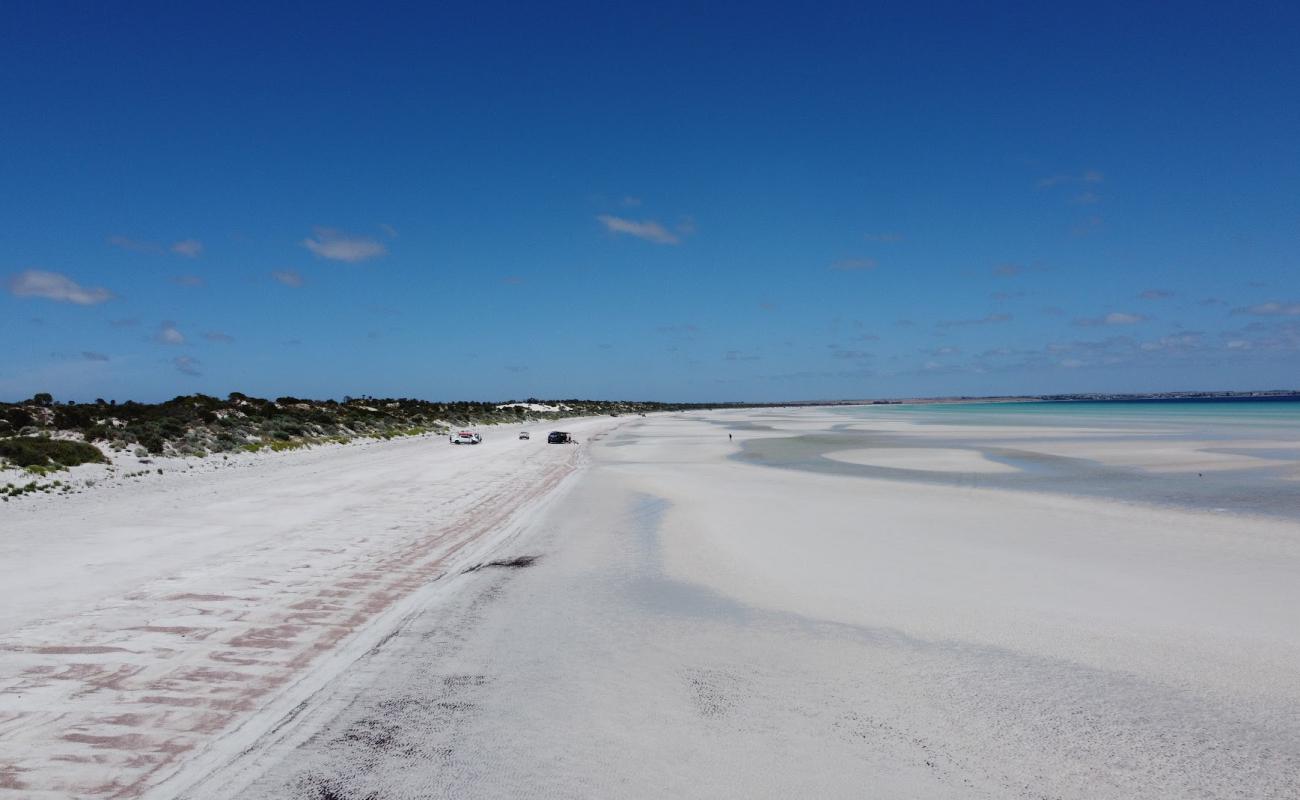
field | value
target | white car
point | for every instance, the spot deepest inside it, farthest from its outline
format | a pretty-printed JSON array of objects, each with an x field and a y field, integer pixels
[{"x": 466, "y": 437}]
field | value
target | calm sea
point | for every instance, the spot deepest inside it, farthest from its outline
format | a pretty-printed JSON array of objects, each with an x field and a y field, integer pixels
[
  {"x": 1265, "y": 428},
  {"x": 1239, "y": 414}
]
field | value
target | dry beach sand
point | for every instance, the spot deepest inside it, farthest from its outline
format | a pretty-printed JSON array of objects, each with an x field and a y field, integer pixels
[{"x": 821, "y": 606}]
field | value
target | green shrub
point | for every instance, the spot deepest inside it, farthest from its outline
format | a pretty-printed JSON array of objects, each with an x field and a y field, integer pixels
[{"x": 37, "y": 451}]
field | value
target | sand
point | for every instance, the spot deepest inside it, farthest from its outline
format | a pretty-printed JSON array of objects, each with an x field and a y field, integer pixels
[
  {"x": 695, "y": 624},
  {"x": 162, "y": 624},
  {"x": 929, "y": 459}
]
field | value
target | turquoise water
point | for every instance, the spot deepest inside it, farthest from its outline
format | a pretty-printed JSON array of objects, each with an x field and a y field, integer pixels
[
  {"x": 1268, "y": 430},
  {"x": 1245, "y": 413}
]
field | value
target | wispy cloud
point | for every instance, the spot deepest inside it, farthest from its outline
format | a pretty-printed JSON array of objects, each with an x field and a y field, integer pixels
[
  {"x": 737, "y": 355},
  {"x": 630, "y": 201},
  {"x": 1155, "y": 294},
  {"x": 687, "y": 329},
  {"x": 190, "y": 248},
  {"x": 512, "y": 280},
  {"x": 134, "y": 245},
  {"x": 188, "y": 280},
  {"x": 990, "y": 319},
  {"x": 854, "y": 265},
  {"x": 288, "y": 277},
  {"x": 1270, "y": 309},
  {"x": 883, "y": 238},
  {"x": 93, "y": 356},
  {"x": 56, "y": 286},
  {"x": 1264, "y": 337},
  {"x": 336, "y": 245},
  {"x": 1113, "y": 318},
  {"x": 1181, "y": 343},
  {"x": 1008, "y": 270},
  {"x": 850, "y": 355},
  {"x": 388, "y": 230},
  {"x": 187, "y": 365},
  {"x": 1086, "y": 226},
  {"x": 168, "y": 333},
  {"x": 650, "y": 230},
  {"x": 1087, "y": 176},
  {"x": 218, "y": 336}
]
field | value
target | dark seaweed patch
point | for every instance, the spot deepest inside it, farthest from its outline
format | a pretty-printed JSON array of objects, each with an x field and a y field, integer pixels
[{"x": 518, "y": 562}]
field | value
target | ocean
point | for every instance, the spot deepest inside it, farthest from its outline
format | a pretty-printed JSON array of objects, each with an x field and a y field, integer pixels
[{"x": 1238, "y": 456}]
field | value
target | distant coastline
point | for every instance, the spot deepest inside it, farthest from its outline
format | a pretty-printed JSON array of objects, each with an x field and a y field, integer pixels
[{"x": 1090, "y": 397}]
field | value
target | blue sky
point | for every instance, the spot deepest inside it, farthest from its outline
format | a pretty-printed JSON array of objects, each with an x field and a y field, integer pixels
[{"x": 668, "y": 201}]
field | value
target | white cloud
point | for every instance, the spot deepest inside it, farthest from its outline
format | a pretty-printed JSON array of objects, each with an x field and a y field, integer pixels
[
  {"x": 218, "y": 336},
  {"x": 854, "y": 265},
  {"x": 1008, "y": 270},
  {"x": 388, "y": 230},
  {"x": 186, "y": 364},
  {"x": 1272, "y": 309},
  {"x": 169, "y": 334},
  {"x": 649, "y": 229},
  {"x": 339, "y": 246},
  {"x": 56, "y": 286},
  {"x": 90, "y": 355},
  {"x": 190, "y": 248},
  {"x": 1113, "y": 318},
  {"x": 288, "y": 277}
]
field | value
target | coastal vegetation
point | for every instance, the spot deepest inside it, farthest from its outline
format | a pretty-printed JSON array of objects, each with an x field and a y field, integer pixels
[
  {"x": 42, "y": 433},
  {"x": 41, "y": 452}
]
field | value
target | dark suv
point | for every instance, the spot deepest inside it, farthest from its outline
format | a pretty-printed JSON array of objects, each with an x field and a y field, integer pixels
[{"x": 558, "y": 437}]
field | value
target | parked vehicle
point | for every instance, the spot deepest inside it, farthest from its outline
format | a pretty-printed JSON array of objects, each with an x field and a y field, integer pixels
[
  {"x": 559, "y": 437},
  {"x": 466, "y": 437},
  {"x": 523, "y": 435}
]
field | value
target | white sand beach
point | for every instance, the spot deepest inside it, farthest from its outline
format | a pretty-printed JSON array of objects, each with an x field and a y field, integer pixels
[{"x": 700, "y": 621}]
